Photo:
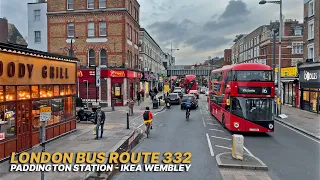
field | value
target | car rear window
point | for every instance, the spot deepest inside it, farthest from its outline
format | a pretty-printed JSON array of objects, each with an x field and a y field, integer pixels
[{"x": 173, "y": 96}]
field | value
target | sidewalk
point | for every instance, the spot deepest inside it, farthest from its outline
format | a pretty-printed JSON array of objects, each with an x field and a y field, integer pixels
[
  {"x": 115, "y": 131},
  {"x": 301, "y": 120}
]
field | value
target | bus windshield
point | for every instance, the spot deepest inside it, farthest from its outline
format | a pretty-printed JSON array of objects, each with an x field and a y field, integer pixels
[
  {"x": 252, "y": 76},
  {"x": 252, "y": 109}
]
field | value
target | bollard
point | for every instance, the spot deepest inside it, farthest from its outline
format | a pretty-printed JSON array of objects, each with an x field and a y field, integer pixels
[
  {"x": 127, "y": 120},
  {"x": 237, "y": 146},
  {"x": 112, "y": 104}
]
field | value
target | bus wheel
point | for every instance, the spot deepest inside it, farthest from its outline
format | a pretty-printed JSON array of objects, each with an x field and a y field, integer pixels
[{"x": 222, "y": 122}]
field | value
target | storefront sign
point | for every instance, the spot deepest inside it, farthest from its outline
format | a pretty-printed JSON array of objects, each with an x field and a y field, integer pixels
[
  {"x": 20, "y": 69},
  {"x": 117, "y": 73},
  {"x": 288, "y": 72},
  {"x": 117, "y": 93},
  {"x": 80, "y": 74},
  {"x": 45, "y": 114},
  {"x": 309, "y": 76},
  {"x": 254, "y": 90}
]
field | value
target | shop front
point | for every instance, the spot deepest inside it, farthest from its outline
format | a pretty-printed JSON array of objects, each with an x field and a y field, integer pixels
[
  {"x": 116, "y": 84},
  {"x": 30, "y": 80},
  {"x": 309, "y": 77}
]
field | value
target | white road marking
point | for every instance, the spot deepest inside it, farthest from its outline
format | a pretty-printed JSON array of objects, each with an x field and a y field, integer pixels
[
  {"x": 221, "y": 138},
  {"x": 210, "y": 145},
  {"x": 223, "y": 147},
  {"x": 213, "y": 124},
  {"x": 248, "y": 151},
  {"x": 160, "y": 124},
  {"x": 216, "y": 130},
  {"x": 204, "y": 124},
  {"x": 153, "y": 115},
  {"x": 200, "y": 111},
  {"x": 298, "y": 132}
]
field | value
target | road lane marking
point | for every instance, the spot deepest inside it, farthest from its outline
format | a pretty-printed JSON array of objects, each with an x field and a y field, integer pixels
[
  {"x": 223, "y": 147},
  {"x": 298, "y": 132},
  {"x": 210, "y": 145},
  {"x": 160, "y": 124},
  {"x": 200, "y": 111},
  {"x": 204, "y": 124},
  {"x": 221, "y": 138},
  {"x": 248, "y": 151},
  {"x": 216, "y": 130},
  {"x": 213, "y": 124}
]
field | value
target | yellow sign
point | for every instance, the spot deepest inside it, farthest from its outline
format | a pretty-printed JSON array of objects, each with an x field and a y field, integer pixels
[
  {"x": 117, "y": 93},
  {"x": 288, "y": 72},
  {"x": 45, "y": 109}
]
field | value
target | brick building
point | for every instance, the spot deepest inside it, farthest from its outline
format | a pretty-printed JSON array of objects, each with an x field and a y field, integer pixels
[
  {"x": 100, "y": 33},
  {"x": 227, "y": 56}
]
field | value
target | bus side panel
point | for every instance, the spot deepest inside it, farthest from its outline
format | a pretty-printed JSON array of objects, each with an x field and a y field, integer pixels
[{"x": 235, "y": 119}]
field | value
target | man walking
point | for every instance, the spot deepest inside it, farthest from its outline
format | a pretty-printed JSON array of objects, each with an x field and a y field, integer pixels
[
  {"x": 100, "y": 118},
  {"x": 138, "y": 97}
]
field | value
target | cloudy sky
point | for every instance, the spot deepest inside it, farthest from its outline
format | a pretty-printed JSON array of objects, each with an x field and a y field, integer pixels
[{"x": 199, "y": 28}]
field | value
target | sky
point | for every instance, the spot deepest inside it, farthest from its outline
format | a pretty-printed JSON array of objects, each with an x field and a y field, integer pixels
[{"x": 199, "y": 29}]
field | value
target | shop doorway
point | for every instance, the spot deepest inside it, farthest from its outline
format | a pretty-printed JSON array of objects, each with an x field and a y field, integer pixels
[
  {"x": 23, "y": 125},
  {"x": 117, "y": 94}
]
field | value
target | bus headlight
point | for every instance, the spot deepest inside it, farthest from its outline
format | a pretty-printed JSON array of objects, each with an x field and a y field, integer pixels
[
  {"x": 236, "y": 125},
  {"x": 270, "y": 126}
]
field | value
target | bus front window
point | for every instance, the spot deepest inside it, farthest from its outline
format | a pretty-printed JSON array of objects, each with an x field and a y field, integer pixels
[{"x": 265, "y": 76}]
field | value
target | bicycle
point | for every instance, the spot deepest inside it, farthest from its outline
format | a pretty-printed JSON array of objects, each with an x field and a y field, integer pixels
[
  {"x": 148, "y": 125},
  {"x": 188, "y": 114}
]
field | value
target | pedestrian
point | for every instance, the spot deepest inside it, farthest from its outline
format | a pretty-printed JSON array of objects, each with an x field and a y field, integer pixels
[
  {"x": 131, "y": 104},
  {"x": 138, "y": 97},
  {"x": 100, "y": 118},
  {"x": 151, "y": 94}
]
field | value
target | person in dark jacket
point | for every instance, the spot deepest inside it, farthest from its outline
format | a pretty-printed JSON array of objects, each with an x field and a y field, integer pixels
[
  {"x": 138, "y": 97},
  {"x": 100, "y": 118}
]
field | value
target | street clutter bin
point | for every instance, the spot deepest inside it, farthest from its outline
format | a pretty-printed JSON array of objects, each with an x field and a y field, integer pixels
[
  {"x": 237, "y": 146},
  {"x": 155, "y": 104}
]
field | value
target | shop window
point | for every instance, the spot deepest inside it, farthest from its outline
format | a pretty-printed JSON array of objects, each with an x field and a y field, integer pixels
[
  {"x": 36, "y": 124},
  {"x": 68, "y": 89},
  {"x": 1, "y": 94},
  {"x": 43, "y": 91},
  {"x": 49, "y": 91},
  {"x": 73, "y": 89},
  {"x": 34, "y": 91},
  {"x": 57, "y": 108},
  {"x": 313, "y": 100},
  {"x": 62, "y": 90},
  {"x": 56, "y": 90},
  {"x": 10, "y": 93},
  {"x": 7, "y": 120},
  {"x": 23, "y": 92},
  {"x": 68, "y": 108}
]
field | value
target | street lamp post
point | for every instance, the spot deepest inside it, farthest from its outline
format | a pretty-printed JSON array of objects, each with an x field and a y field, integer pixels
[
  {"x": 87, "y": 83},
  {"x": 280, "y": 40},
  {"x": 171, "y": 49}
]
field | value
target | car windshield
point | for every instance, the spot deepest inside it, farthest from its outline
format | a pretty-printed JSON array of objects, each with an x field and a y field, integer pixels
[
  {"x": 252, "y": 76},
  {"x": 186, "y": 98},
  {"x": 252, "y": 109}
]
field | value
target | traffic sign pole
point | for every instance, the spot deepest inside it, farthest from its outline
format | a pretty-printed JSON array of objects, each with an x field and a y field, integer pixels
[{"x": 45, "y": 115}]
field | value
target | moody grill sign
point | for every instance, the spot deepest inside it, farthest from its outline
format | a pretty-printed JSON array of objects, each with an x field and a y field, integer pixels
[{"x": 254, "y": 90}]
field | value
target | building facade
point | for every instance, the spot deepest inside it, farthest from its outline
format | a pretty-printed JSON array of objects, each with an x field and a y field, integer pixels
[
  {"x": 227, "y": 56},
  {"x": 151, "y": 57},
  {"x": 102, "y": 33},
  {"x": 37, "y": 26}
]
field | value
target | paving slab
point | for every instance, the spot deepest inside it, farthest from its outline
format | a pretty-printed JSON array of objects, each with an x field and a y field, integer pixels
[{"x": 248, "y": 162}]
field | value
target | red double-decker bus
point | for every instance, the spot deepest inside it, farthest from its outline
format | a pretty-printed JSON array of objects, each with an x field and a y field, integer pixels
[
  {"x": 190, "y": 83},
  {"x": 241, "y": 97}
]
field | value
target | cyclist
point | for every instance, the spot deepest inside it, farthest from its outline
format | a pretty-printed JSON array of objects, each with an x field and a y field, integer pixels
[
  {"x": 188, "y": 106},
  {"x": 147, "y": 117}
]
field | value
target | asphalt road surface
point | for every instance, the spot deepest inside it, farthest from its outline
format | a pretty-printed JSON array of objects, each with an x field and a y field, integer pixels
[
  {"x": 173, "y": 133},
  {"x": 289, "y": 154}
]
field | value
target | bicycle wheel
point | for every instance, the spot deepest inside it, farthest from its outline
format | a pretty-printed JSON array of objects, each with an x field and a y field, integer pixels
[{"x": 148, "y": 130}]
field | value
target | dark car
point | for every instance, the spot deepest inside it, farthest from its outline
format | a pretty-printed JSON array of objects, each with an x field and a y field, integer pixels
[
  {"x": 187, "y": 97},
  {"x": 178, "y": 91},
  {"x": 174, "y": 98}
]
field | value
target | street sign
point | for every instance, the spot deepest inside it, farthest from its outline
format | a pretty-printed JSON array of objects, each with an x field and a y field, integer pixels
[
  {"x": 98, "y": 76},
  {"x": 45, "y": 114}
]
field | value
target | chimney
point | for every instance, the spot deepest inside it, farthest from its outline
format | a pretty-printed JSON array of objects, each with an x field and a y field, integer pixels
[{"x": 3, "y": 30}]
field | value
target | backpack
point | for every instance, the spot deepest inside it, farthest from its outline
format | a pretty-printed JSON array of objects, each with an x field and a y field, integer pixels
[{"x": 146, "y": 115}]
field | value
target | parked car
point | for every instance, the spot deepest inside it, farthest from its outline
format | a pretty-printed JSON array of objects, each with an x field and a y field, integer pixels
[
  {"x": 174, "y": 98},
  {"x": 187, "y": 97},
  {"x": 203, "y": 90},
  {"x": 195, "y": 92}
]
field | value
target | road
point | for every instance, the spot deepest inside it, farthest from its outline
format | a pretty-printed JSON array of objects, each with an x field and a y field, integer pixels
[{"x": 173, "y": 133}]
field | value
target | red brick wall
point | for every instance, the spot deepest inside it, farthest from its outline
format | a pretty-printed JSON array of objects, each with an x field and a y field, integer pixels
[{"x": 227, "y": 56}]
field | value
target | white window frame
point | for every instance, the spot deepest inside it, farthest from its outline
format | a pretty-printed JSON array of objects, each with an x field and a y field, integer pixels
[
  {"x": 90, "y": 30},
  {"x": 36, "y": 37},
  {"x": 90, "y": 3},
  {"x": 104, "y": 4},
  {"x": 37, "y": 16},
  {"x": 68, "y": 29},
  {"x": 298, "y": 30},
  {"x": 69, "y": 4},
  {"x": 100, "y": 58},
  {"x": 311, "y": 30},
  {"x": 310, "y": 56},
  {"x": 297, "y": 47},
  {"x": 89, "y": 57},
  {"x": 309, "y": 9},
  {"x": 101, "y": 28}
]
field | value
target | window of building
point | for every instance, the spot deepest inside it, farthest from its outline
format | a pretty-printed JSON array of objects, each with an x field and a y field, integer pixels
[
  {"x": 311, "y": 30},
  {"x": 90, "y": 29},
  {"x": 10, "y": 93},
  {"x": 70, "y": 29},
  {"x": 130, "y": 7},
  {"x": 103, "y": 57},
  {"x": 91, "y": 57},
  {"x": 1, "y": 94},
  {"x": 34, "y": 91},
  {"x": 298, "y": 32},
  {"x": 311, "y": 8},
  {"x": 37, "y": 36},
  {"x": 7, "y": 116},
  {"x": 311, "y": 51},
  {"x": 297, "y": 48},
  {"x": 23, "y": 92},
  {"x": 36, "y": 15},
  {"x": 70, "y": 4},
  {"x": 130, "y": 31},
  {"x": 90, "y": 4},
  {"x": 102, "y": 4},
  {"x": 102, "y": 28}
]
